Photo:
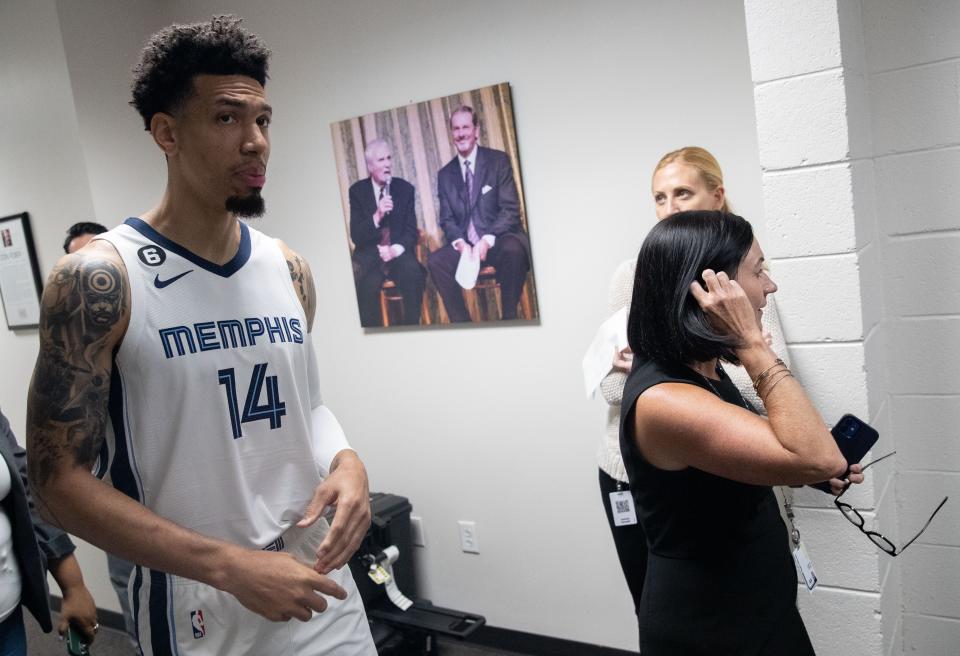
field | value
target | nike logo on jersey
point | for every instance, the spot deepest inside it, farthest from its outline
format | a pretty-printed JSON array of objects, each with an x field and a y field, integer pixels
[{"x": 160, "y": 284}]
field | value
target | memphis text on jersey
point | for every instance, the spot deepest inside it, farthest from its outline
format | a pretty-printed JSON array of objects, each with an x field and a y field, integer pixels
[{"x": 229, "y": 334}]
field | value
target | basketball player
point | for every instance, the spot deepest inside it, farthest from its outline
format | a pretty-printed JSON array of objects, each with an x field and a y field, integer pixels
[{"x": 176, "y": 361}]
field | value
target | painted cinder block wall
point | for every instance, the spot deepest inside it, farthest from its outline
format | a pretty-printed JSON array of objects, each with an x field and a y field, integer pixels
[
  {"x": 913, "y": 71},
  {"x": 823, "y": 246},
  {"x": 858, "y": 119}
]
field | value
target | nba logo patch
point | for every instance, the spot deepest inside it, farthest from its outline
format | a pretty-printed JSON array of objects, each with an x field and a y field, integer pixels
[{"x": 196, "y": 620}]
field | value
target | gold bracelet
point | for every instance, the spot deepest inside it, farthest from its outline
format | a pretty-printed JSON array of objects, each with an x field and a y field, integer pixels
[
  {"x": 774, "y": 384},
  {"x": 775, "y": 376},
  {"x": 766, "y": 380},
  {"x": 766, "y": 372}
]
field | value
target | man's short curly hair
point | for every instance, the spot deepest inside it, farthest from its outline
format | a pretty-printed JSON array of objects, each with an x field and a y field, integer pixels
[{"x": 163, "y": 78}]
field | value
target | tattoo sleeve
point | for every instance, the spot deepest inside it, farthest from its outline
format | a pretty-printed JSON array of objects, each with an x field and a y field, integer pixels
[
  {"x": 84, "y": 301},
  {"x": 303, "y": 284}
]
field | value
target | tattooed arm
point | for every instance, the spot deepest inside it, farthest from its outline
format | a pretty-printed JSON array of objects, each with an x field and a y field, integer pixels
[
  {"x": 302, "y": 279},
  {"x": 84, "y": 313},
  {"x": 346, "y": 485},
  {"x": 83, "y": 316}
]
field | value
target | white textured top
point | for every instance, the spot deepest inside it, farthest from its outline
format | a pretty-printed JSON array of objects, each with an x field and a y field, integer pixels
[
  {"x": 621, "y": 291},
  {"x": 9, "y": 570}
]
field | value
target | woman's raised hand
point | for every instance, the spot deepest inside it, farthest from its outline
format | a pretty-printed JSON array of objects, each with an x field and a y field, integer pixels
[{"x": 727, "y": 307}]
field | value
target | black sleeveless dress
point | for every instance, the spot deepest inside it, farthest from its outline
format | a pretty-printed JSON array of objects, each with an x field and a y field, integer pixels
[{"x": 720, "y": 580}]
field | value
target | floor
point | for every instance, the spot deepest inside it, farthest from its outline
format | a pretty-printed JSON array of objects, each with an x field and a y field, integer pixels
[{"x": 110, "y": 642}]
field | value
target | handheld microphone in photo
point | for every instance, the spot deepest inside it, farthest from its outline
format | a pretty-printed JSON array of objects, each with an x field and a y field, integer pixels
[{"x": 386, "y": 186}]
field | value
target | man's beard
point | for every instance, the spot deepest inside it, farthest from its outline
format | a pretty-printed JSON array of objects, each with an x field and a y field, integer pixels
[{"x": 250, "y": 207}]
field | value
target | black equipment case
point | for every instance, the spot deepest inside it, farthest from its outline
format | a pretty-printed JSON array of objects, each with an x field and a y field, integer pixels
[{"x": 397, "y": 631}]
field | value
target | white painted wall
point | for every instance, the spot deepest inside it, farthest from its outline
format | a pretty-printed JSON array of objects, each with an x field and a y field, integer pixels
[
  {"x": 42, "y": 171},
  {"x": 487, "y": 424},
  {"x": 127, "y": 172},
  {"x": 41, "y": 163}
]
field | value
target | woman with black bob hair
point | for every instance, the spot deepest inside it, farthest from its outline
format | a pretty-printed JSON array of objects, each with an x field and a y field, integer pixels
[{"x": 700, "y": 459}]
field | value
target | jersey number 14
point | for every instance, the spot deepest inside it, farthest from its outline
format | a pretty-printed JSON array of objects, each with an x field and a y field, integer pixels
[{"x": 253, "y": 410}]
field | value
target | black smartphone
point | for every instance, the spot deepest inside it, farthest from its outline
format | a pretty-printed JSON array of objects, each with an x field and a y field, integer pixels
[{"x": 854, "y": 437}]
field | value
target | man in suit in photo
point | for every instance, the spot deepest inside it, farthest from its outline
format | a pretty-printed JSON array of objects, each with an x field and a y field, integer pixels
[
  {"x": 479, "y": 215},
  {"x": 383, "y": 228}
]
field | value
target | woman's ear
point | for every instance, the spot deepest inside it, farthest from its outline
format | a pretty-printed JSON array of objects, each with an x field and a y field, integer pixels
[{"x": 719, "y": 197}]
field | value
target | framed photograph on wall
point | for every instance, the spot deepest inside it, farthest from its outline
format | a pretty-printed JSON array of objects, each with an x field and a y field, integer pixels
[
  {"x": 20, "y": 283},
  {"x": 435, "y": 214}
]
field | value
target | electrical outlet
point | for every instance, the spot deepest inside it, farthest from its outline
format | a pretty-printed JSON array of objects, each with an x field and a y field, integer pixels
[
  {"x": 416, "y": 531},
  {"x": 469, "y": 542}
]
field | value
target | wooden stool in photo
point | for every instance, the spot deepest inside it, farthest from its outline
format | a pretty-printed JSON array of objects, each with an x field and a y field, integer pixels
[
  {"x": 485, "y": 303},
  {"x": 391, "y": 302}
]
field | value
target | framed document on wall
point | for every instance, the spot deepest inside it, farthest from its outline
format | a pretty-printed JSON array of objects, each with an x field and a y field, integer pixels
[{"x": 20, "y": 284}]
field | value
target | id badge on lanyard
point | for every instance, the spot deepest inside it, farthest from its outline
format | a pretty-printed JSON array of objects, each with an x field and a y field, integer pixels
[{"x": 621, "y": 503}]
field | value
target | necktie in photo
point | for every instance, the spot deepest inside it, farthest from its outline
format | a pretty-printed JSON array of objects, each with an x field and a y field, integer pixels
[
  {"x": 472, "y": 236},
  {"x": 384, "y": 230}
]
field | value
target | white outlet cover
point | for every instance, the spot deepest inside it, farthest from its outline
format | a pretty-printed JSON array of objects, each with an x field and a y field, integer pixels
[{"x": 469, "y": 542}]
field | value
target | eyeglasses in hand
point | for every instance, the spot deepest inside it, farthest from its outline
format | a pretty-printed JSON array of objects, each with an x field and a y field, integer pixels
[{"x": 857, "y": 520}]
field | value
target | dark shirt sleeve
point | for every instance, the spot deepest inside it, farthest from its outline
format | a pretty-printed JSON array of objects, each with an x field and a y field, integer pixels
[
  {"x": 448, "y": 223},
  {"x": 362, "y": 231},
  {"x": 54, "y": 543},
  {"x": 508, "y": 213},
  {"x": 403, "y": 219}
]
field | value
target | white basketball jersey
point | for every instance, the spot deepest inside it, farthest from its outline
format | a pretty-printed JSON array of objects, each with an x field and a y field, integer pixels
[{"x": 210, "y": 394}]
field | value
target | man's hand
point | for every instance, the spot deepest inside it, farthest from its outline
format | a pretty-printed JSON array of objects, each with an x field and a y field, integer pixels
[
  {"x": 481, "y": 249},
  {"x": 461, "y": 246},
  {"x": 277, "y": 586},
  {"x": 78, "y": 608},
  {"x": 386, "y": 253},
  {"x": 347, "y": 489}
]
